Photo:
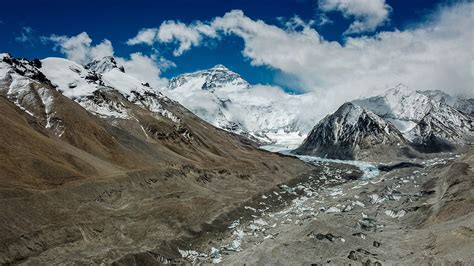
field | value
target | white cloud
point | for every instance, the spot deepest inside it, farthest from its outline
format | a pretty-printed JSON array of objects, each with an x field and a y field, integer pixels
[
  {"x": 25, "y": 36},
  {"x": 174, "y": 31},
  {"x": 323, "y": 19},
  {"x": 296, "y": 23},
  {"x": 146, "y": 36},
  {"x": 437, "y": 54},
  {"x": 79, "y": 48},
  {"x": 368, "y": 14},
  {"x": 146, "y": 68}
]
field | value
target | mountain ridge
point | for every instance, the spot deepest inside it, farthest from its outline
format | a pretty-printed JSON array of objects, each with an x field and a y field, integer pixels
[
  {"x": 414, "y": 112},
  {"x": 422, "y": 122},
  {"x": 352, "y": 132}
]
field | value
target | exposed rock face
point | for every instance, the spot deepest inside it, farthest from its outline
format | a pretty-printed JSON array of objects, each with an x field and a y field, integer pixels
[
  {"x": 352, "y": 133},
  {"x": 442, "y": 129}
]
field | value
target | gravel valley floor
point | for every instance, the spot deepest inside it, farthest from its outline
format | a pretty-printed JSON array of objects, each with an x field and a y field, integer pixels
[{"x": 416, "y": 214}]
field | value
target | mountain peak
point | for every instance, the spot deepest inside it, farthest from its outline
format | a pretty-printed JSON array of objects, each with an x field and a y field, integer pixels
[
  {"x": 220, "y": 67},
  {"x": 21, "y": 66},
  {"x": 5, "y": 55},
  {"x": 351, "y": 133},
  {"x": 347, "y": 106},
  {"x": 400, "y": 89},
  {"x": 350, "y": 112},
  {"x": 104, "y": 64},
  {"x": 217, "y": 77}
]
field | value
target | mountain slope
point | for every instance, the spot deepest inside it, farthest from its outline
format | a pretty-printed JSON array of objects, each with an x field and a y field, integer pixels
[
  {"x": 95, "y": 160},
  {"x": 462, "y": 104},
  {"x": 399, "y": 103},
  {"x": 442, "y": 129},
  {"x": 429, "y": 119},
  {"x": 352, "y": 133}
]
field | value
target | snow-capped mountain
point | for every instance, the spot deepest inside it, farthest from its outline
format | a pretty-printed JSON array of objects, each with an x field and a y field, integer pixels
[
  {"x": 462, "y": 104},
  {"x": 197, "y": 92},
  {"x": 424, "y": 117},
  {"x": 105, "y": 64},
  {"x": 60, "y": 96},
  {"x": 24, "y": 85},
  {"x": 401, "y": 105},
  {"x": 224, "y": 99},
  {"x": 86, "y": 84},
  {"x": 73, "y": 137},
  {"x": 217, "y": 95},
  {"x": 441, "y": 129},
  {"x": 352, "y": 133},
  {"x": 100, "y": 114},
  {"x": 219, "y": 77}
]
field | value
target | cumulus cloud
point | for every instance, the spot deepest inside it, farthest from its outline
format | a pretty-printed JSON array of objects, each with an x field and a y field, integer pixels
[
  {"x": 146, "y": 68},
  {"x": 368, "y": 14},
  {"x": 436, "y": 54},
  {"x": 174, "y": 31},
  {"x": 80, "y": 48},
  {"x": 146, "y": 36}
]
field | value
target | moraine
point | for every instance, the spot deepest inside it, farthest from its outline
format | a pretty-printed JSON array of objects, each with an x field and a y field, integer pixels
[{"x": 352, "y": 208}]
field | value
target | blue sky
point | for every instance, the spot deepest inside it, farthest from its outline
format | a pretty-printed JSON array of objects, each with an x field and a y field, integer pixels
[{"x": 118, "y": 21}]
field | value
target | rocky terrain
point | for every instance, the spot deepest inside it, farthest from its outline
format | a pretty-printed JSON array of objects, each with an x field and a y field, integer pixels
[
  {"x": 414, "y": 213},
  {"x": 97, "y": 166}
]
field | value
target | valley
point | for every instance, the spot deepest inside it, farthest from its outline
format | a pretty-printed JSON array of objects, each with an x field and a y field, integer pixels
[
  {"x": 401, "y": 216},
  {"x": 98, "y": 167}
]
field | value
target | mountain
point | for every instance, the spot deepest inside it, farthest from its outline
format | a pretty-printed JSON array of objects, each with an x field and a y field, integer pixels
[
  {"x": 105, "y": 64},
  {"x": 92, "y": 156},
  {"x": 219, "y": 77},
  {"x": 352, "y": 133},
  {"x": 90, "y": 88},
  {"x": 428, "y": 119},
  {"x": 442, "y": 129},
  {"x": 197, "y": 91},
  {"x": 462, "y": 104},
  {"x": 401, "y": 105},
  {"x": 224, "y": 99}
]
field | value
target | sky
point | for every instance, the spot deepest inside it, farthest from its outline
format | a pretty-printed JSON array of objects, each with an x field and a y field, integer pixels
[{"x": 339, "y": 49}]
